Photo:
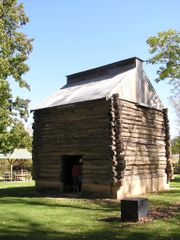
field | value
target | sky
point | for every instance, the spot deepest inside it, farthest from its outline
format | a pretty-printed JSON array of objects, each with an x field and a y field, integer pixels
[{"x": 71, "y": 36}]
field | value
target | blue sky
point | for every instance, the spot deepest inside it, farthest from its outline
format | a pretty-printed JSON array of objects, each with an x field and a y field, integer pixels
[{"x": 71, "y": 36}]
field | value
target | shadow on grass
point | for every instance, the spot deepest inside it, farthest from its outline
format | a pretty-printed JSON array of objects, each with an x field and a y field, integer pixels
[
  {"x": 165, "y": 199},
  {"x": 169, "y": 194},
  {"x": 107, "y": 232},
  {"x": 28, "y": 228},
  {"x": 29, "y": 196},
  {"x": 18, "y": 192},
  {"x": 39, "y": 202},
  {"x": 176, "y": 179}
]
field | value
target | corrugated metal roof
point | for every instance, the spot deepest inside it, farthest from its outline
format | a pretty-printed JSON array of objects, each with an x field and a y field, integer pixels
[
  {"x": 125, "y": 78},
  {"x": 17, "y": 154},
  {"x": 21, "y": 154},
  {"x": 127, "y": 63},
  {"x": 95, "y": 88}
]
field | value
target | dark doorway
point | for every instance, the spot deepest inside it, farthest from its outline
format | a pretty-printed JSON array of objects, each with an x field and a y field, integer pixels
[{"x": 68, "y": 162}]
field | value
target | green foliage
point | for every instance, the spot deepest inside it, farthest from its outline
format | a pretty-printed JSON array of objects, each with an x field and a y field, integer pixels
[
  {"x": 165, "y": 50},
  {"x": 175, "y": 145},
  {"x": 4, "y": 166},
  {"x": 14, "y": 50},
  {"x": 19, "y": 138},
  {"x": 175, "y": 101}
]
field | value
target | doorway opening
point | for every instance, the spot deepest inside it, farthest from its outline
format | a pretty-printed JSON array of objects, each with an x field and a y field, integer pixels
[{"x": 68, "y": 161}]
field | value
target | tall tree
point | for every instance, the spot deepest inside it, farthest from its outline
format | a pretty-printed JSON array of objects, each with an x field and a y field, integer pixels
[
  {"x": 175, "y": 101},
  {"x": 15, "y": 47},
  {"x": 175, "y": 147},
  {"x": 165, "y": 51}
]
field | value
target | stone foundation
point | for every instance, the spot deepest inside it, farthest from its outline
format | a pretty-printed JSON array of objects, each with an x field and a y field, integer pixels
[
  {"x": 48, "y": 185},
  {"x": 97, "y": 190},
  {"x": 142, "y": 186},
  {"x": 130, "y": 187}
]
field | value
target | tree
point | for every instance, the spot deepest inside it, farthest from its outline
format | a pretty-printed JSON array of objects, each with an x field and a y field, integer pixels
[
  {"x": 15, "y": 47},
  {"x": 165, "y": 50},
  {"x": 175, "y": 147},
  {"x": 175, "y": 101}
]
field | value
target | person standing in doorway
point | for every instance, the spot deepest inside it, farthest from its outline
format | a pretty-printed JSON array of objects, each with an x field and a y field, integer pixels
[
  {"x": 75, "y": 175},
  {"x": 80, "y": 175}
]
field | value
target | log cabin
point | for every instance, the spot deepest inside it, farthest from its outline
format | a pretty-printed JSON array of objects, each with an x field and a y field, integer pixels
[{"x": 112, "y": 118}]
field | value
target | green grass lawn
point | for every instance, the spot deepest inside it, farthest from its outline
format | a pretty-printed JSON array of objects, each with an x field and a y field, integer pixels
[{"x": 25, "y": 216}]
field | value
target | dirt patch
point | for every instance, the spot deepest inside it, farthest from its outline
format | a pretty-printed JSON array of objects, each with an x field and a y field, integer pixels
[{"x": 165, "y": 213}]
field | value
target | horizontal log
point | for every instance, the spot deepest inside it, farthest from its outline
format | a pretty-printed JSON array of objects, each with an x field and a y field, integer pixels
[
  {"x": 133, "y": 121},
  {"x": 133, "y": 106},
  {"x": 49, "y": 175},
  {"x": 144, "y": 136},
  {"x": 96, "y": 176},
  {"x": 65, "y": 126},
  {"x": 69, "y": 135},
  {"x": 57, "y": 163},
  {"x": 145, "y": 162},
  {"x": 126, "y": 125},
  {"x": 143, "y": 141},
  {"x": 100, "y": 172},
  {"x": 132, "y": 145},
  {"x": 44, "y": 164},
  {"x": 97, "y": 157},
  {"x": 52, "y": 158},
  {"x": 81, "y": 142},
  {"x": 149, "y": 113},
  {"x": 78, "y": 142},
  {"x": 144, "y": 158},
  {"x": 144, "y": 154},
  {"x": 136, "y": 172},
  {"x": 48, "y": 179},
  {"x": 60, "y": 123},
  {"x": 147, "y": 131},
  {"x": 96, "y": 181},
  {"x": 42, "y": 161},
  {"x": 94, "y": 159},
  {"x": 143, "y": 169},
  {"x": 50, "y": 153},
  {"x": 97, "y": 164},
  {"x": 62, "y": 130},
  {"x": 140, "y": 117},
  {"x": 54, "y": 146},
  {"x": 76, "y": 107},
  {"x": 143, "y": 176},
  {"x": 143, "y": 124},
  {"x": 76, "y": 114},
  {"x": 71, "y": 126},
  {"x": 90, "y": 155}
]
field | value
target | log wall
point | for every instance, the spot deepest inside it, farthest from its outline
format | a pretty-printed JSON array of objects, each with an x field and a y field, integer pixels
[
  {"x": 143, "y": 135},
  {"x": 116, "y": 147},
  {"x": 123, "y": 145},
  {"x": 77, "y": 129}
]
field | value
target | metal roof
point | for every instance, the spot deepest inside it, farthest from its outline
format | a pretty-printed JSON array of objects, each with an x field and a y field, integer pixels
[
  {"x": 126, "y": 78},
  {"x": 92, "y": 89},
  {"x": 4, "y": 155},
  {"x": 17, "y": 154},
  {"x": 102, "y": 69}
]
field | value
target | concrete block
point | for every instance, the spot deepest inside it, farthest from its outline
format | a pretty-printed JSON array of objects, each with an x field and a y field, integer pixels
[{"x": 132, "y": 209}]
